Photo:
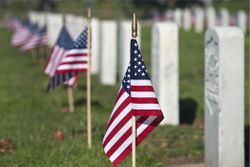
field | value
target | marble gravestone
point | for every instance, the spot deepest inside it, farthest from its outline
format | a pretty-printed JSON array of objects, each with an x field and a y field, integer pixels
[
  {"x": 210, "y": 17},
  {"x": 33, "y": 17},
  {"x": 95, "y": 24},
  {"x": 187, "y": 21},
  {"x": 199, "y": 22},
  {"x": 124, "y": 49},
  {"x": 41, "y": 19},
  {"x": 242, "y": 20},
  {"x": 165, "y": 70},
  {"x": 75, "y": 25},
  {"x": 108, "y": 52},
  {"x": 224, "y": 17},
  {"x": 224, "y": 97},
  {"x": 178, "y": 17},
  {"x": 54, "y": 25}
]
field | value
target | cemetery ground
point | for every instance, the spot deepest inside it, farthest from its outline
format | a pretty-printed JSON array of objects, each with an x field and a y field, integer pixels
[{"x": 29, "y": 116}]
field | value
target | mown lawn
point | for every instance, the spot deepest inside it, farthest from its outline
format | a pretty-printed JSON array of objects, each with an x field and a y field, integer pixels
[{"x": 29, "y": 116}]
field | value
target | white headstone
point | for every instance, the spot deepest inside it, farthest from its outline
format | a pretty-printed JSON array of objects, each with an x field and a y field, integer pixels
[
  {"x": 224, "y": 97},
  {"x": 41, "y": 19},
  {"x": 178, "y": 17},
  {"x": 54, "y": 25},
  {"x": 210, "y": 17},
  {"x": 224, "y": 17},
  {"x": 165, "y": 73},
  {"x": 242, "y": 20},
  {"x": 108, "y": 52},
  {"x": 187, "y": 21},
  {"x": 95, "y": 46},
  {"x": 75, "y": 25},
  {"x": 124, "y": 49},
  {"x": 199, "y": 21}
]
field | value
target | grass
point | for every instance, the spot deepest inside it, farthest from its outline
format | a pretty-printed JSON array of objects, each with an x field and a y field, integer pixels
[{"x": 29, "y": 116}]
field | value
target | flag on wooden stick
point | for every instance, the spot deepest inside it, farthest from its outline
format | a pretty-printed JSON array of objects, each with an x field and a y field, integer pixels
[
  {"x": 136, "y": 97},
  {"x": 73, "y": 61}
]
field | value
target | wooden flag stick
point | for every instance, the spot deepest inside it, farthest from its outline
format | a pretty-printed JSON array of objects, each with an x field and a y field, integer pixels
[
  {"x": 134, "y": 35},
  {"x": 71, "y": 99},
  {"x": 89, "y": 81}
]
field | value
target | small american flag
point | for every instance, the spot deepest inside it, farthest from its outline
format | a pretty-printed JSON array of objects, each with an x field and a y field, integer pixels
[
  {"x": 38, "y": 38},
  {"x": 135, "y": 98},
  {"x": 63, "y": 44},
  {"x": 76, "y": 59},
  {"x": 22, "y": 34}
]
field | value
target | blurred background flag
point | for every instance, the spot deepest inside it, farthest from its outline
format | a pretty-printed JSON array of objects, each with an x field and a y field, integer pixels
[
  {"x": 64, "y": 43},
  {"x": 38, "y": 38},
  {"x": 72, "y": 62},
  {"x": 135, "y": 98},
  {"x": 76, "y": 59}
]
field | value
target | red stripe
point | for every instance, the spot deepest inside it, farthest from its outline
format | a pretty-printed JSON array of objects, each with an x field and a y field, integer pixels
[
  {"x": 76, "y": 54},
  {"x": 120, "y": 93},
  {"x": 148, "y": 112},
  {"x": 74, "y": 62},
  {"x": 144, "y": 100},
  {"x": 142, "y": 88}
]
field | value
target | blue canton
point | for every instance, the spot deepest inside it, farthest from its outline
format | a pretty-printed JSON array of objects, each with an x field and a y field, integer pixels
[
  {"x": 82, "y": 41},
  {"x": 65, "y": 41},
  {"x": 136, "y": 69}
]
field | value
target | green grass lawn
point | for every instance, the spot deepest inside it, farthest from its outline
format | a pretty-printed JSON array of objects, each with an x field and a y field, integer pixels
[{"x": 29, "y": 115}]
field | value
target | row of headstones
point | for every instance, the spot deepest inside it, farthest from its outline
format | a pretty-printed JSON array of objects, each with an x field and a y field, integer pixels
[
  {"x": 224, "y": 77},
  {"x": 224, "y": 89},
  {"x": 200, "y": 18}
]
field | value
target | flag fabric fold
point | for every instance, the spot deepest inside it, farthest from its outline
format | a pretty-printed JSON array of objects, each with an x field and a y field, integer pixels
[{"x": 136, "y": 97}]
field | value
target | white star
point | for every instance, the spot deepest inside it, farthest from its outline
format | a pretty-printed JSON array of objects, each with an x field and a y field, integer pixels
[
  {"x": 128, "y": 81},
  {"x": 139, "y": 63},
  {"x": 128, "y": 86},
  {"x": 135, "y": 59},
  {"x": 135, "y": 66},
  {"x": 128, "y": 75},
  {"x": 139, "y": 70},
  {"x": 135, "y": 74},
  {"x": 124, "y": 81},
  {"x": 139, "y": 55},
  {"x": 143, "y": 74},
  {"x": 143, "y": 66},
  {"x": 128, "y": 70},
  {"x": 135, "y": 51},
  {"x": 135, "y": 44}
]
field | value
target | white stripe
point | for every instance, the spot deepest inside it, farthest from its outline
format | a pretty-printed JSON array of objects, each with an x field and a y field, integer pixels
[
  {"x": 145, "y": 94},
  {"x": 119, "y": 102},
  {"x": 77, "y": 51},
  {"x": 117, "y": 136},
  {"x": 127, "y": 142},
  {"x": 141, "y": 82},
  {"x": 123, "y": 113},
  {"x": 72, "y": 66},
  {"x": 72, "y": 59},
  {"x": 146, "y": 106}
]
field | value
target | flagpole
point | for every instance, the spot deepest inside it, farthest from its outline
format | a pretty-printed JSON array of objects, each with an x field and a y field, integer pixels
[
  {"x": 134, "y": 35},
  {"x": 89, "y": 81},
  {"x": 70, "y": 88}
]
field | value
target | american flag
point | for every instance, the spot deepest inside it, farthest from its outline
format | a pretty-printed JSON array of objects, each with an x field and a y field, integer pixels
[
  {"x": 38, "y": 38},
  {"x": 136, "y": 97},
  {"x": 75, "y": 60},
  {"x": 22, "y": 34},
  {"x": 63, "y": 44}
]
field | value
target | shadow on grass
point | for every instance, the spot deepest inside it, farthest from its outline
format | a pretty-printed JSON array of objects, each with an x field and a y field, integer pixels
[
  {"x": 188, "y": 108},
  {"x": 246, "y": 144}
]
